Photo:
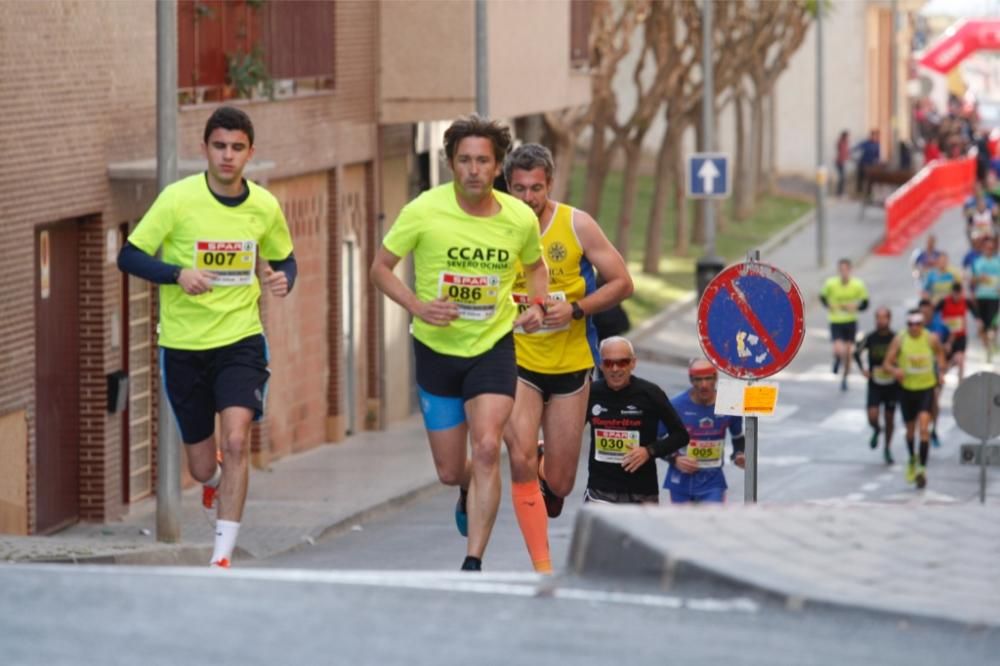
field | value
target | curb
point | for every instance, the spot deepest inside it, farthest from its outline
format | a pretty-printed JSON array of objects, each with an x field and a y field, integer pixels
[{"x": 605, "y": 548}]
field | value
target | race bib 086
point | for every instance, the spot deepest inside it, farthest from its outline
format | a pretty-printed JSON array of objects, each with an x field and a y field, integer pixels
[
  {"x": 475, "y": 295},
  {"x": 233, "y": 262}
]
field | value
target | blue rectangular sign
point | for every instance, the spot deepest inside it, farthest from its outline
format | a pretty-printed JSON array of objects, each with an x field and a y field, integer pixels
[{"x": 708, "y": 176}]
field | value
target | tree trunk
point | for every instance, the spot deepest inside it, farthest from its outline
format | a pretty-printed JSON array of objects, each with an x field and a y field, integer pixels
[
  {"x": 658, "y": 206},
  {"x": 772, "y": 140},
  {"x": 681, "y": 244},
  {"x": 598, "y": 163},
  {"x": 739, "y": 161},
  {"x": 700, "y": 206},
  {"x": 630, "y": 185},
  {"x": 563, "y": 146},
  {"x": 757, "y": 138}
]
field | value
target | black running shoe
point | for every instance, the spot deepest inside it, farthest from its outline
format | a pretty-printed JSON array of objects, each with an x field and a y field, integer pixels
[
  {"x": 873, "y": 442},
  {"x": 472, "y": 564},
  {"x": 553, "y": 503},
  {"x": 836, "y": 364}
]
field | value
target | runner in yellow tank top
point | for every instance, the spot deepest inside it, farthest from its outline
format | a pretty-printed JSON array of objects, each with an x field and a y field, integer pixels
[
  {"x": 916, "y": 359},
  {"x": 554, "y": 364}
]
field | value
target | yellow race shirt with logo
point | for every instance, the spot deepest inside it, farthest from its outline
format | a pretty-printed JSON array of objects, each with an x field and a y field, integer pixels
[
  {"x": 196, "y": 230},
  {"x": 916, "y": 359},
  {"x": 571, "y": 277},
  {"x": 467, "y": 259},
  {"x": 838, "y": 294}
]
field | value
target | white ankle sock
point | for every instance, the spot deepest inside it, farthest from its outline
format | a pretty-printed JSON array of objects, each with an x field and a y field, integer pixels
[{"x": 225, "y": 539}]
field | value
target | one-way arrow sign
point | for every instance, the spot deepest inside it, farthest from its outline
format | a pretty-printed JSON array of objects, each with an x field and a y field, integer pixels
[{"x": 708, "y": 176}]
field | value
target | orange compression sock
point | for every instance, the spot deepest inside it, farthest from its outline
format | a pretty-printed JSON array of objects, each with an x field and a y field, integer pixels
[{"x": 529, "y": 507}]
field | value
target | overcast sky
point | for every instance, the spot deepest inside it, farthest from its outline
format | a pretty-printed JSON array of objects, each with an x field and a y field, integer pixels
[{"x": 962, "y": 8}]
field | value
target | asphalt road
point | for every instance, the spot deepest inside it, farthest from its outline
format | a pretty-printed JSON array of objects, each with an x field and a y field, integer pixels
[{"x": 56, "y": 614}]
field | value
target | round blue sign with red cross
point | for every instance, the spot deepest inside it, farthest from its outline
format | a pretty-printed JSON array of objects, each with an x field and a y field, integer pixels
[{"x": 750, "y": 321}]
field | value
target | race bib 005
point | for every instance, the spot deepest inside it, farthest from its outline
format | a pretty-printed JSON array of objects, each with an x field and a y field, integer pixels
[
  {"x": 475, "y": 295},
  {"x": 708, "y": 453},
  {"x": 233, "y": 262}
]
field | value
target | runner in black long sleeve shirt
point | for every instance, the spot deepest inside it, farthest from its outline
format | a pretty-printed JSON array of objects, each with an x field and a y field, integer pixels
[{"x": 624, "y": 413}]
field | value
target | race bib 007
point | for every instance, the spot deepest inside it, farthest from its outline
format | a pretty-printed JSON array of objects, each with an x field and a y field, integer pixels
[
  {"x": 612, "y": 445},
  {"x": 233, "y": 262},
  {"x": 475, "y": 295}
]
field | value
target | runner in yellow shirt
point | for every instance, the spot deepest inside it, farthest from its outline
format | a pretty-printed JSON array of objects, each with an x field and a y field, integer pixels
[
  {"x": 916, "y": 359},
  {"x": 844, "y": 296},
  {"x": 466, "y": 240},
  {"x": 554, "y": 363},
  {"x": 213, "y": 356}
]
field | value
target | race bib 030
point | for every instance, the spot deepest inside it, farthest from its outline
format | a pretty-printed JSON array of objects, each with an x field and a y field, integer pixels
[
  {"x": 612, "y": 445},
  {"x": 523, "y": 303}
]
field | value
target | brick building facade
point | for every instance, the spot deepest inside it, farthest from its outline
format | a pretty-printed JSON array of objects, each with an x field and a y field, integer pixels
[{"x": 77, "y": 137}]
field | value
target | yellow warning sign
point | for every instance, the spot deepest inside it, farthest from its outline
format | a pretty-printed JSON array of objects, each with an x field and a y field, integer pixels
[{"x": 760, "y": 399}]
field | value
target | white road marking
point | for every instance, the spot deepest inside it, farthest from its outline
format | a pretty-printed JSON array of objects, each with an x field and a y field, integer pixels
[
  {"x": 848, "y": 420},
  {"x": 855, "y": 497},
  {"x": 503, "y": 584},
  {"x": 783, "y": 461},
  {"x": 871, "y": 487},
  {"x": 922, "y": 497},
  {"x": 782, "y": 412}
]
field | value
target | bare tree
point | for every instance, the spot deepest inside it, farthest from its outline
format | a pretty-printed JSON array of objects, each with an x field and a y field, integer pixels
[{"x": 779, "y": 29}]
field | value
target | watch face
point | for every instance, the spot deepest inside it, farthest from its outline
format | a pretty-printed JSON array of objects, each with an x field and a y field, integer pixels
[{"x": 577, "y": 311}]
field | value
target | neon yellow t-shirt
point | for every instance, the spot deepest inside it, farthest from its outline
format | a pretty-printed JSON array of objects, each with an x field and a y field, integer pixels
[
  {"x": 196, "y": 230},
  {"x": 916, "y": 358},
  {"x": 838, "y": 294},
  {"x": 470, "y": 260},
  {"x": 571, "y": 277}
]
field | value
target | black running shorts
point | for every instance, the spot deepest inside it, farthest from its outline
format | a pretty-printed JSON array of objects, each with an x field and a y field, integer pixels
[
  {"x": 201, "y": 383},
  {"x": 560, "y": 384},
  {"x": 883, "y": 394},
  {"x": 986, "y": 310},
  {"x": 493, "y": 371},
  {"x": 845, "y": 331},
  {"x": 911, "y": 403}
]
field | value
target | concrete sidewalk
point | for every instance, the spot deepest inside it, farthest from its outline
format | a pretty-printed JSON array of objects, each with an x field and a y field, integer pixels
[{"x": 299, "y": 499}]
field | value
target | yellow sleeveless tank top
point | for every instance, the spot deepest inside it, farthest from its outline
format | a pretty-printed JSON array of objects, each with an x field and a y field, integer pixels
[
  {"x": 916, "y": 358},
  {"x": 571, "y": 277}
]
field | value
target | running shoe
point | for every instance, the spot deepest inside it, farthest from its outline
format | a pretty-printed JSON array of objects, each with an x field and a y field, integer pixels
[
  {"x": 462, "y": 513},
  {"x": 843, "y": 384},
  {"x": 208, "y": 493},
  {"x": 873, "y": 442},
  {"x": 911, "y": 471},
  {"x": 921, "y": 476},
  {"x": 935, "y": 442},
  {"x": 888, "y": 456},
  {"x": 221, "y": 564},
  {"x": 553, "y": 503},
  {"x": 836, "y": 364}
]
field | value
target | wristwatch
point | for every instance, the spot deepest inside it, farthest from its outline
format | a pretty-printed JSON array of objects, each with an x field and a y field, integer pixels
[{"x": 577, "y": 311}]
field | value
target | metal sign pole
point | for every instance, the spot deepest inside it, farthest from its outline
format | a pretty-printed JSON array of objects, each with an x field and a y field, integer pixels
[
  {"x": 750, "y": 472},
  {"x": 982, "y": 472}
]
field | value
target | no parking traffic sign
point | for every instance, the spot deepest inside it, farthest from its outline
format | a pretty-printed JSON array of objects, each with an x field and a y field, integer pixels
[{"x": 750, "y": 321}]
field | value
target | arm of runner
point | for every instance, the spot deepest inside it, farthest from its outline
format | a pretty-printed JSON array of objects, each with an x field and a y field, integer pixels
[
  {"x": 609, "y": 263},
  {"x": 279, "y": 276},
  {"x": 858, "y": 349},
  {"x": 438, "y": 312},
  {"x": 739, "y": 457},
  {"x": 889, "y": 363},
  {"x": 134, "y": 261},
  {"x": 677, "y": 435},
  {"x": 939, "y": 354},
  {"x": 537, "y": 275}
]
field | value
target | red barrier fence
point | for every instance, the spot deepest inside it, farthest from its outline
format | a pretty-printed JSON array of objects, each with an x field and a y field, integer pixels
[{"x": 915, "y": 206}]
